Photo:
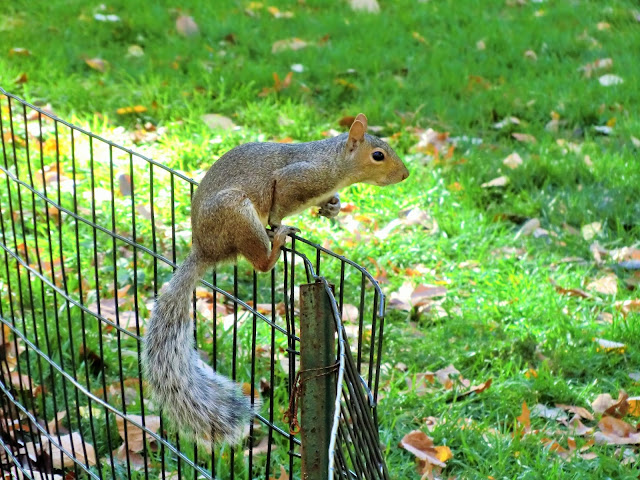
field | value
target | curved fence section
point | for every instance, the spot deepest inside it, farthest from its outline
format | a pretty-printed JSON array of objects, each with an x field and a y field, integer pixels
[{"x": 90, "y": 231}]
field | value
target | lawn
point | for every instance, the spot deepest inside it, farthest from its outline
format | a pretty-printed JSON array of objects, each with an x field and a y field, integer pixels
[{"x": 518, "y": 121}]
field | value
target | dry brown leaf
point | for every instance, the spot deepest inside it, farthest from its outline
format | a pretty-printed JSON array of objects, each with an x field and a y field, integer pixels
[
  {"x": 283, "y": 475},
  {"x": 130, "y": 458},
  {"x": 419, "y": 444},
  {"x": 606, "y": 405},
  {"x": 443, "y": 376},
  {"x": 477, "y": 388},
  {"x": 496, "y": 182},
  {"x": 524, "y": 137},
  {"x": 578, "y": 428},
  {"x": 571, "y": 292},
  {"x": 55, "y": 426},
  {"x": 217, "y": 122},
  {"x": 288, "y": 44},
  {"x": 616, "y": 432},
  {"x": 513, "y": 161},
  {"x": 599, "y": 64},
  {"x": 423, "y": 293},
  {"x": 628, "y": 306},
  {"x": 607, "y": 285},
  {"x": 421, "y": 385},
  {"x": 550, "y": 413},
  {"x": 578, "y": 411},
  {"x": 72, "y": 443},
  {"x": 370, "y": 6},
  {"x": 97, "y": 64},
  {"x": 135, "y": 435},
  {"x": 524, "y": 418},
  {"x": 186, "y": 26},
  {"x": 21, "y": 78},
  {"x": 528, "y": 228}
]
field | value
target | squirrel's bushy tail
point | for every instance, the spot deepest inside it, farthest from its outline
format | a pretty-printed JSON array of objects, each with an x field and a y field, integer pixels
[{"x": 200, "y": 403}]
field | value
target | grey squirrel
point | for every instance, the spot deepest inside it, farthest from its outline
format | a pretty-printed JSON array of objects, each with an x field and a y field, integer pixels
[{"x": 249, "y": 187}]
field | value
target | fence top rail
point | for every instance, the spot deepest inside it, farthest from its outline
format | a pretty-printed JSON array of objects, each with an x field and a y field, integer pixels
[{"x": 326, "y": 251}]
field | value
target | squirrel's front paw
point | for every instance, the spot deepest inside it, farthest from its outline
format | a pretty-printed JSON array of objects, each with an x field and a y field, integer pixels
[
  {"x": 282, "y": 231},
  {"x": 331, "y": 208}
]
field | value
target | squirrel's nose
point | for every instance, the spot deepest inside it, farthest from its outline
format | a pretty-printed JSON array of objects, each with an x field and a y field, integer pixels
[{"x": 405, "y": 175}]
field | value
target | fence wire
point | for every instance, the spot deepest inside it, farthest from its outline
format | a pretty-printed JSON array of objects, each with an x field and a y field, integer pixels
[{"x": 89, "y": 233}]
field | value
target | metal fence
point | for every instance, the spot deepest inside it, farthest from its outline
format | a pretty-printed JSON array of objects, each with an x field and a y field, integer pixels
[{"x": 89, "y": 232}]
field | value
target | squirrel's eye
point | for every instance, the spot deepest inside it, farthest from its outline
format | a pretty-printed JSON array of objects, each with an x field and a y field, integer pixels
[{"x": 378, "y": 156}]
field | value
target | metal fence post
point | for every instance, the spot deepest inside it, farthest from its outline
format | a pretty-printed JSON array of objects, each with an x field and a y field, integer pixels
[{"x": 318, "y": 382}]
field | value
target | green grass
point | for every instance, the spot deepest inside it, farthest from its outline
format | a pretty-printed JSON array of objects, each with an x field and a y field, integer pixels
[{"x": 503, "y": 315}]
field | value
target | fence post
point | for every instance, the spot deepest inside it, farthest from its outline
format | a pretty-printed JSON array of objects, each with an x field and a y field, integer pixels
[{"x": 318, "y": 389}]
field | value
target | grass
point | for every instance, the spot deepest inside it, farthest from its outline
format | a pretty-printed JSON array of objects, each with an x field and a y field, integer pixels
[{"x": 417, "y": 65}]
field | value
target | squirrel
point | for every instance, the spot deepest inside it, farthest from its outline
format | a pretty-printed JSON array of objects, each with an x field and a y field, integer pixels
[{"x": 249, "y": 187}]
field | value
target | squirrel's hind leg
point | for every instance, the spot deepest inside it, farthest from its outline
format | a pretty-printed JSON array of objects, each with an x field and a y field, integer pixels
[{"x": 252, "y": 240}]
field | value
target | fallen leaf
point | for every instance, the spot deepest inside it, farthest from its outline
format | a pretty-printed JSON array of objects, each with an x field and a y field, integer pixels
[
  {"x": 370, "y": 6},
  {"x": 606, "y": 405},
  {"x": 443, "y": 376},
  {"x": 610, "y": 346},
  {"x": 20, "y": 51},
  {"x": 607, "y": 285},
  {"x": 134, "y": 435},
  {"x": 616, "y": 432},
  {"x": 217, "y": 122},
  {"x": 186, "y": 26},
  {"x": 513, "y": 161},
  {"x": 20, "y": 79},
  {"x": 571, "y": 292},
  {"x": 506, "y": 121},
  {"x": 528, "y": 228},
  {"x": 97, "y": 64},
  {"x": 598, "y": 64},
  {"x": 578, "y": 411},
  {"x": 524, "y": 418},
  {"x": 591, "y": 230},
  {"x": 477, "y": 388},
  {"x": 550, "y": 413},
  {"x": 288, "y": 44},
  {"x": 634, "y": 406},
  {"x": 135, "y": 51},
  {"x": 496, "y": 182},
  {"x": 628, "y": 306},
  {"x": 70, "y": 443},
  {"x": 422, "y": 293},
  {"x": 283, "y": 475},
  {"x": 524, "y": 137},
  {"x": 129, "y": 110},
  {"x": 576, "y": 427},
  {"x": 278, "y": 14},
  {"x": 420, "y": 445},
  {"x": 610, "y": 79}
]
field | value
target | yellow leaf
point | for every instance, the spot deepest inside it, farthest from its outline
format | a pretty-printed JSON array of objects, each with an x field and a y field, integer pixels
[
  {"x": 97, "y": 64},
  {"x": 634, "y": 406},
  {"x": 443, "y": 453}
]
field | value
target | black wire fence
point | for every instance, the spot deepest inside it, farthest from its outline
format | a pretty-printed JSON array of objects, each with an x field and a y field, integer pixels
[{"x": 89, "y": 233}]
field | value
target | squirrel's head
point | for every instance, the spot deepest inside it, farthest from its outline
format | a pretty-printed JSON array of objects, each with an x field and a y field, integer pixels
[{"x": 375, "y": 161}]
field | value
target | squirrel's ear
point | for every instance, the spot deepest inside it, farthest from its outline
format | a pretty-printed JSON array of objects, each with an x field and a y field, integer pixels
[
  {"x": 356, "y": 135},
  {"x": 362, "y": 117}
]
